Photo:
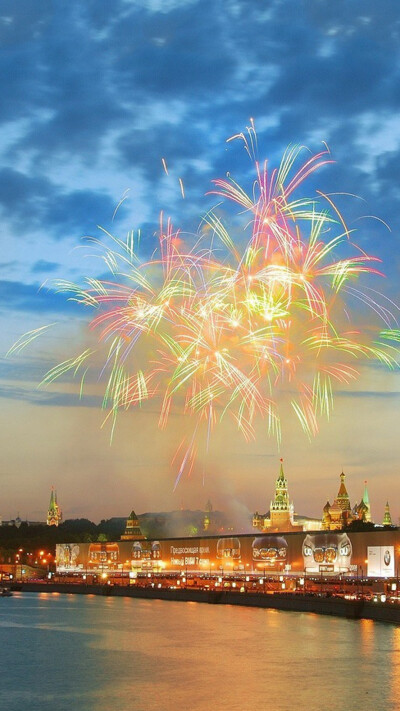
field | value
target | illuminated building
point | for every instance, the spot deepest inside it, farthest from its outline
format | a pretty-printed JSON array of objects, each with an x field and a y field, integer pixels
[
  {"x": 340, "y": 514},
  {"x": 281, "y": 516},
  {"x": 365, "y": 500},
  {"x": 132, "y": 529},
  {"x": 54, "y": 515},
  {"x": 387, "y": 519},
  {"x": 342, "y": 498},
  {"x": 293, "y": 553},
  {"x": 360, "y": 512},
  {"x": 281, "y": 510}
]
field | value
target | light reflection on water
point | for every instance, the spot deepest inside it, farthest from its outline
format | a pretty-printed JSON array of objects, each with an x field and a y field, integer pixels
[{"x": 84, "y": 653}]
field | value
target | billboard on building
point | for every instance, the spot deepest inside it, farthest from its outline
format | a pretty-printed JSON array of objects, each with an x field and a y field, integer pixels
[
  {"x": 327, "y": 553},
  {"x": 318, "y": 553},
  {"x": 381, "y": 562}
]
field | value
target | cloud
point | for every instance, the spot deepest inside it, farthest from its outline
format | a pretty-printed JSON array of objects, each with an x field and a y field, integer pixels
[
  {"x": 367, "y": 394},
  {"x": 43, "y": 266},
  {"x": 5, "y": 266},
  {"x": 27, "y": 297},
  {"x": 49, "y": 399},
  {"x": 31, "y": 202},
  {"x": 95, "y": 94},
  {"x": 121, "y": 87},
  {"x": 21, "y": 21},
  {"x": 31, "y": 369}
]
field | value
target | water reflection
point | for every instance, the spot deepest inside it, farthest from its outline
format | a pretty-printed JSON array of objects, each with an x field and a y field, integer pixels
[
  {"x": 78, "y": 653},
  {"x": 394, "y": 701}
]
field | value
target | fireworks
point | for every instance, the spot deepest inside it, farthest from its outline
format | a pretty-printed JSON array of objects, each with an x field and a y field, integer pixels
[{"x": 227, "y": 325}]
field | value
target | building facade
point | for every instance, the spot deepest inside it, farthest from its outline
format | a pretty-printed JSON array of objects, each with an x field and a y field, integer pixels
[
  {"x": 341, "y": 514},
  {"x": 294, "y": 553},
  {"x": 54, "y": 514},
  {"x": 387, "y": 518},
  {"x": 281, "y": 515},
  {"x": 132, "y": 529}
]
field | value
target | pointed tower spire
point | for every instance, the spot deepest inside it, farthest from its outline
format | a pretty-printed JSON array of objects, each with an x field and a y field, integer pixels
[
  {"x": 387, "y": 519},
  {"x": 281, "y": 510},
  {"x": 281, "y": 476},
  {"x": 342, "y": 498},
  {"x": 281, "y": 490},
  {"x": 132, "y": 529},
  {"x": 365, "y": 499},
  {"x": 54, "y": 515}
]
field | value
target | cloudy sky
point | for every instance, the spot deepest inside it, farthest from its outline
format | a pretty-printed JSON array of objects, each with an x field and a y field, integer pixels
[{"x": 94, "y": 95}]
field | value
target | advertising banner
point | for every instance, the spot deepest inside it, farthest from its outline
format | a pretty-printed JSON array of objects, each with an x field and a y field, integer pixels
[
  {"x": 374, "y": 561},
  {"x": 311, "y": 553},
  {"x": 387, "y": 561},
  {"x": 327, "y": 553},
  {"x": 381, "y": 561}
]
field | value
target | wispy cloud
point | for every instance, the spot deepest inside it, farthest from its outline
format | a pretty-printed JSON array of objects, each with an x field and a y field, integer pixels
[
  {"x": 26, "y": 297},
  {"x": 367, "y": 394},
  {"x": 49, "y": 399},
  {"x": 43, "y": 266}
]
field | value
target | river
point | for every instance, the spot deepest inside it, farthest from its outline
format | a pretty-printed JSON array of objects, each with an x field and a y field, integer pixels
[{"x": 83, "y": 653}]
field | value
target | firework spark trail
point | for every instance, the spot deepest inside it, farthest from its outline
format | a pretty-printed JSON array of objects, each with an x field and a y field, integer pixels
[
  {"x": 228, "y": 326},
  {"x": 27, "y": 338}
]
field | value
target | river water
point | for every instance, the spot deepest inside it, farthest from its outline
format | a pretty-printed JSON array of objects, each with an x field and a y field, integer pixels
[{"x": 84, "y": 653}]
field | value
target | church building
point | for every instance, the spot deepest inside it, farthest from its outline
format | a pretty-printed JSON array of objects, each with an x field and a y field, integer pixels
[
  {"x": 340, "y": 514},
  {"x": 54, "y": 515}
]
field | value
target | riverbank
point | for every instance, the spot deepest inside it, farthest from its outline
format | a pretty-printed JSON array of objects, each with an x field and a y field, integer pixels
[{"x": 336, "y": 606}]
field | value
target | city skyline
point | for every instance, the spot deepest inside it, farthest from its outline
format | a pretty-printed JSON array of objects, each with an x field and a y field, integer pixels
[
  {"x": 239, "y": 516},
  {"x": 83, "y": 127}
]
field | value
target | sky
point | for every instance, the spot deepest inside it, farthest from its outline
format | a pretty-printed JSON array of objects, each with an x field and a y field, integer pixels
[{"x": 95, "y": 94}]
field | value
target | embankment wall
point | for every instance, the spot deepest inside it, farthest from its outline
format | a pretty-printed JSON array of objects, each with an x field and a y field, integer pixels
[{"x": 339, "y": 607}]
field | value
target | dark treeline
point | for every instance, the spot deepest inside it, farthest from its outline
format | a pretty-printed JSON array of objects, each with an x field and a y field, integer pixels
[{"x": 32, "y": 538}]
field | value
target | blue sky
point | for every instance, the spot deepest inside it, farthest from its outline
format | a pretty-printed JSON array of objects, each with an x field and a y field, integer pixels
[{"x": 94, "y": 94}]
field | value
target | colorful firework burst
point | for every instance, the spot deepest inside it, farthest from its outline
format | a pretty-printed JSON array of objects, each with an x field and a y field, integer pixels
[{"x": 227, "y": 325}]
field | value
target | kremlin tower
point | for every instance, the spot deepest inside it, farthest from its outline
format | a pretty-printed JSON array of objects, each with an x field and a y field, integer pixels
[
  {"x": 132, "y": 529},
  {"x": 365, "y": 501},
  {"x": 54, "y": 515},
  {"x": 281, "y": 512},
  {"x": 387, "y": 519}
]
